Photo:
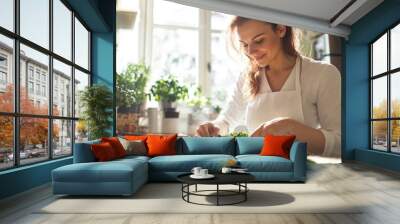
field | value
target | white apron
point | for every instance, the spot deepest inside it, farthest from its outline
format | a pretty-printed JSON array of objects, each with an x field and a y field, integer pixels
[{"x": 270, "y": 105}]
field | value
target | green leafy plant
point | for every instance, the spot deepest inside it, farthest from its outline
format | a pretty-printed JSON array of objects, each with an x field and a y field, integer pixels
[
  {"x": 96, "y": 102},
  {"x": 168, "y": 90},
  {"x": 131, "y": 84},
  {"x": 239, "y": 134},
  {"x": 198, "y": 100}
]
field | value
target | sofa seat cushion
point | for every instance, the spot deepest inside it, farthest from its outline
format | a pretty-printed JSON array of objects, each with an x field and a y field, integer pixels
[
  {"x": 257, "y": 163},
  {"x": 112, "y": 171},
  {"x": 185, "y": 163},
  {"x": 133, "y": 158}
]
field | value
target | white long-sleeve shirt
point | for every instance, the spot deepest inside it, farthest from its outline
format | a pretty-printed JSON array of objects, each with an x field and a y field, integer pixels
[{"x": 321, "y": 102}]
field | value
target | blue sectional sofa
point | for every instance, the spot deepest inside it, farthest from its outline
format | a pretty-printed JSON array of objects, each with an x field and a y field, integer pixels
[{"x": 125, "y": 176}]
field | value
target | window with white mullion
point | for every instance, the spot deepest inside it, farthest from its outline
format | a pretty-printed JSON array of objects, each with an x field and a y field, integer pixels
[
  {"x": 173, "y": 43},
  {"x": 204, "y": 52}
]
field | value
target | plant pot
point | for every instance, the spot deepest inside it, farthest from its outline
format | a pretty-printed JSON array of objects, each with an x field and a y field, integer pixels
[
  {"x": 171, "y": 113},
  {"x": 169, "y": 109},
  {"x": 136, "y": 108}
]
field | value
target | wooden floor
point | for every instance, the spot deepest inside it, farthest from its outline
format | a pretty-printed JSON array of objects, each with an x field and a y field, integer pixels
[{"x": 378, "y": 189}]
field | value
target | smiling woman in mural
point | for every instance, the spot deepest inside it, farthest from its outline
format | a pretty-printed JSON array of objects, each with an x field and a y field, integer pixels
[{"x": 282, "y": 92}]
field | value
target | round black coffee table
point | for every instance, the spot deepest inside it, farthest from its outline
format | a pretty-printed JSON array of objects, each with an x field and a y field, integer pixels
[{"x": 238, "y": 179}]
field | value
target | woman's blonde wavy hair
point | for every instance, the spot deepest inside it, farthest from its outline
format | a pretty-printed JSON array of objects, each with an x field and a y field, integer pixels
[{"x": 252, "y": 82}]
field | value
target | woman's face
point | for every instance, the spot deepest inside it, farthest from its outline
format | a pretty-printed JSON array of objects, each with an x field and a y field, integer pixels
[{"x": 260, "y": 42}]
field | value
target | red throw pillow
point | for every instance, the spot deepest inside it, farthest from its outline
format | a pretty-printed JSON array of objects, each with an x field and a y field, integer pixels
[
  {"x": 136, "y": 137},
  {"x": 103, "y": 151},
  {"x": 159, "y": 145},
  {"x": 116, "y": 145},
  {"x": 277, "y": 145}
]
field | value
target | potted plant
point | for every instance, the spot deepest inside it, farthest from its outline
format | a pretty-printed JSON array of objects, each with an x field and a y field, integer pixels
[
  {"x": 167, "y": 92},
  {"x": 96, "y": 102},
  {"x": 130, "y": 88},
  {"x": 197, "y": 100}
]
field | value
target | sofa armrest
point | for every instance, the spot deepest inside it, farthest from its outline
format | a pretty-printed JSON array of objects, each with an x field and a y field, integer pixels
[
  {"x": 83, "y": 152},
  {"x": 298, "y": 155}
]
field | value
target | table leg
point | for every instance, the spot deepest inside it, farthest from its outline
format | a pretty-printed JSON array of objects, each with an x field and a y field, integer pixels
[
  {"x": 196, "y": 188},
  {"x": 217, "y": 194},
  {"x": 245, "y": 193}
]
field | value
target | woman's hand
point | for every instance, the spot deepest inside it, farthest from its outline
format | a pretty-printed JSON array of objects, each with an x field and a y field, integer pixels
[
  {"x": 207, "y": 129},
  {"x": 277, "y": 126},
  {"x": 285, "y": 126}
]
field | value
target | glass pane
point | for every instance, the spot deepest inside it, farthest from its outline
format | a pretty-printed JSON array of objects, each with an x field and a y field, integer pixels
[
  {"x": 395, "y": 47},
  {"x": 379, "y": 135},
  {"x": 224, "y": 70},
  {"x": 7, "y": 14},
  {"x": 395, "y": 138},
  {"x": 81, "y": 45},
  {"x": 6, "y": 74},
  {"x": 62, "y": 89},
  {"x": 175, "y": 52},
  {"x": 35, "y": 21},
  {"x": 395, "y": 94},
  {"x": 34, "y": 92},
  {"x": 33, "y": 139},
  {"x": 170, "y": 13},
  {"x": 62, "y": 29},
  {"x": 220, "y": 21},
  {"x": 81, "y": 81},
  {"x": 62, "y": 138},
  {"x": 81, "y": 131},
  {"x": 379, "y": 55},
  {"x": 6, "y": 142},
  {"x": 379, "y": 97}
]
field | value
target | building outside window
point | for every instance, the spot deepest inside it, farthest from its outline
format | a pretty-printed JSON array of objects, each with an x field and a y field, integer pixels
[
  {"x": 43, "y": 90},
  {"x": 38, "y": 89},
  {"x": 30, "y": 72},
  {"x": 3, "y": 71},
  {"x": 3, "y": 61},
  {"x": 30, "y": 87}
]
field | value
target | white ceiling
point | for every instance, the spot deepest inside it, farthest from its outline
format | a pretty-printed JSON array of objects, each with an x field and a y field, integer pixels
[{"x": 315, "y": 15}]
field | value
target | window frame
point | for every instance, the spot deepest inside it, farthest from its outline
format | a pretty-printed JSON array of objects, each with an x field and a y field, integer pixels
[
  {"x": 388, "y": 74},
  {"x": 16, "y": 115},
  {"x": 204, "y": 37}
]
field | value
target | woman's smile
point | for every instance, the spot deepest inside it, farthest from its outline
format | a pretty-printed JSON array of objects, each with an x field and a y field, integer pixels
[{"x": 258, "y": 58}]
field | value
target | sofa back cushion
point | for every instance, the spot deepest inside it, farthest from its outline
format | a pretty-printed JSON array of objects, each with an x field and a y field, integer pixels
[
  {"x": 249, "y": 145},
  {"x": 83, "y": 152},
  {"x": 206, "y": 145}
]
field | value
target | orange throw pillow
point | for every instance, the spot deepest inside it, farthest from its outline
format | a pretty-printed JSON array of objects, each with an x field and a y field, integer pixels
[
  {"x": 116, "y": 145},
  {"x": 277, "y": 145},
  {"x": 160, "y": 145},
  {"x": 103, "y": 152}
]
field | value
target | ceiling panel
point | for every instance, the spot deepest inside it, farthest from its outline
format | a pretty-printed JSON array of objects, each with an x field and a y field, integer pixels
[
  {"x": 321, "y": 9},
  {"x": 326, "y": 16}
]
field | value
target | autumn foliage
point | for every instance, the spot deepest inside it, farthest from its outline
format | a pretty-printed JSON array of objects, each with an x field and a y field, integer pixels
[
  {"x": 33, "y": 130},
  {"x": 380, "y": 127}
]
